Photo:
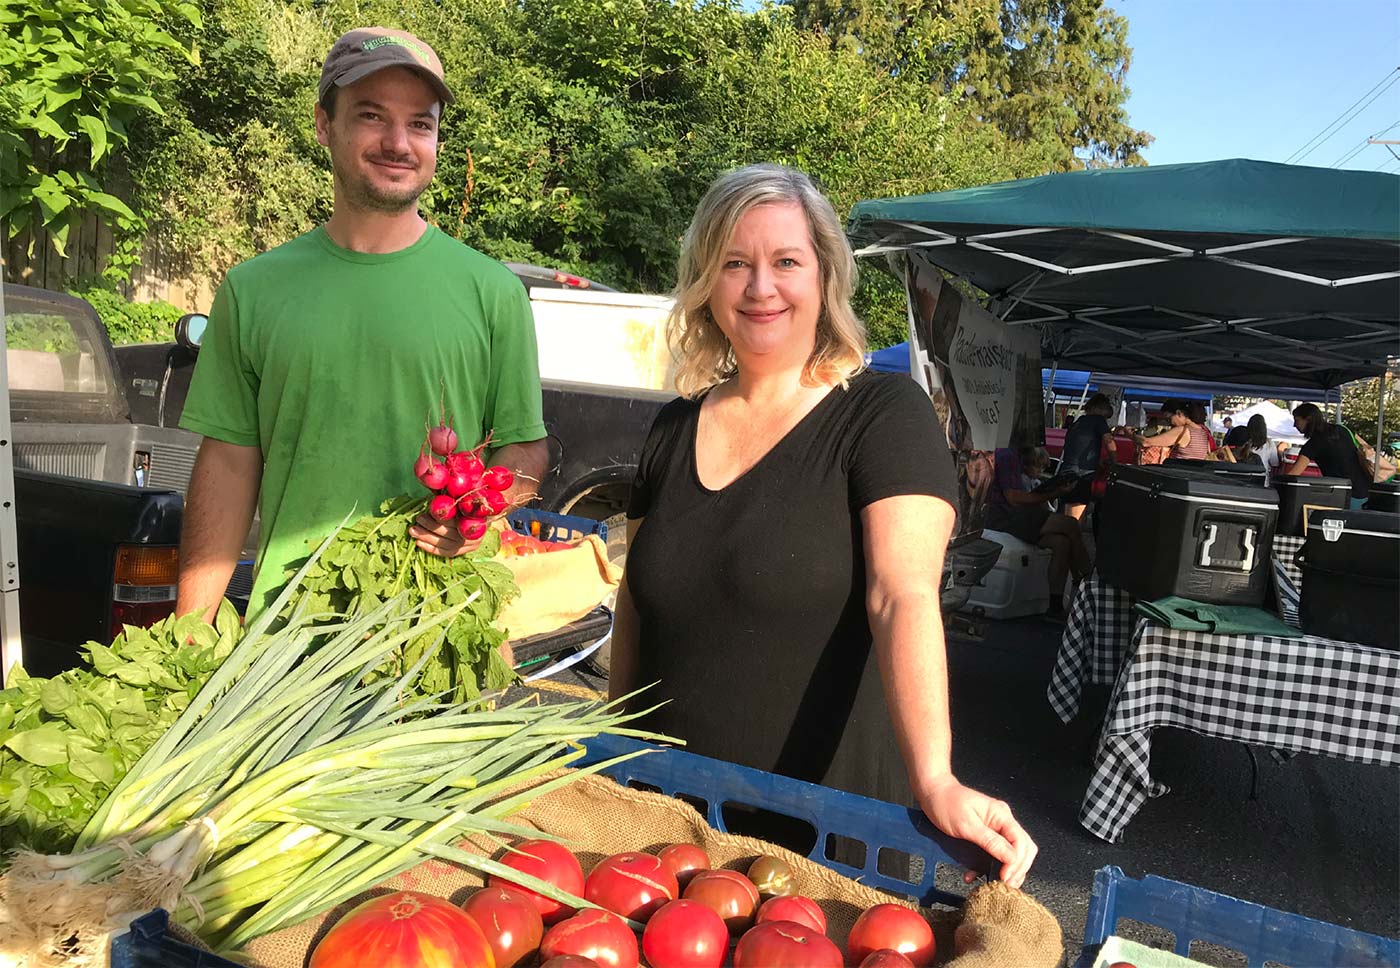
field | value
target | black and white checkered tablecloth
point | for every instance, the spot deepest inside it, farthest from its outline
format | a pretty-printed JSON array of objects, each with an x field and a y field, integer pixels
[
  {"x": 1304, "y": 695},
  {"x": 1099, "y": 630}
]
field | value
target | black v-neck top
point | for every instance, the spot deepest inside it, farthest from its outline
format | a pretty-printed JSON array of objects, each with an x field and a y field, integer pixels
[{"x": 752, "y": 597}]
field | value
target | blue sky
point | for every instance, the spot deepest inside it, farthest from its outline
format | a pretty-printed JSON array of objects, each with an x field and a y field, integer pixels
[{"x": 1259, "y": 78}]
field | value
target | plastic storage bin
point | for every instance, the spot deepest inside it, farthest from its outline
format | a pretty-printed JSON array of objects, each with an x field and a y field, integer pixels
[
  {"x": 1259, "y": 933},
  {"x": 1246, "y": 472},
  {"x": 875, "y": 823},
  {"x": 552, "y": 526},
  {"x": 1019, "y": 582}
]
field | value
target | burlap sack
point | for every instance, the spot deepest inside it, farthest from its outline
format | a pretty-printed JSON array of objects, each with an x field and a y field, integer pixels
[
  {"x": 598, "y": 817},
  {"x": 558, "y": 588}
]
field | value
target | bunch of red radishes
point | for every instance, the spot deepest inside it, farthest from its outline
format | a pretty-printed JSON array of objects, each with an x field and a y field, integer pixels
[{"x": 467, "y": 491}]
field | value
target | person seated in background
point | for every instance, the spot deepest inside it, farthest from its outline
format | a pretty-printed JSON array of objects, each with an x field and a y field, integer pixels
[
  {"x": 1021, "y": 511},
  {"x": 1235, "y": 436},
  {"x": 1257, "y": 447},
  {"x": 1084, "y": 445},
  {"x": 1333, "y": 449}
]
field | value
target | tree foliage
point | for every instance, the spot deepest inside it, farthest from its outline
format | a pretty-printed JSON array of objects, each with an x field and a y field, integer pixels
[
  {"x": 1049, "y": 73},
  {"x": 1361, "y": 404},
  {"x": 74, "y": 76}
]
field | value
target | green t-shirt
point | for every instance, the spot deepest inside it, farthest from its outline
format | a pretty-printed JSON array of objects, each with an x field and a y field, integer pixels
[{"x": 333, "y": 361}]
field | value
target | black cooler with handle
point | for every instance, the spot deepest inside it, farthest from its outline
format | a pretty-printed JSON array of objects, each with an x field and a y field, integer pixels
[
  {"x": 1169, "y": 531},
  {"x": 1351, "y": 577},
  {"x": 1384, "y": 496},
  {"x": 1242, "y": 472},
  {"x": 1298, "y": 495}
]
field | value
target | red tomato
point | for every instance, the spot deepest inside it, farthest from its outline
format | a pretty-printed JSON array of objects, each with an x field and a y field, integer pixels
[
  {"x": 685, "y": 860},
  {"x": 600, "y": 935},
  {"x": 685, "y": 934},
  {"x": 404, "y": 930},
  {"x": 632, "y": 885},
  {"x": 891, "y": 926},
  {"x": 793, "y": 907},
  {"x": 570, "y": 961},
  {"x": 510, "y": 921},
  {"x": 886, "y": 958},
  {"x": 729, "y": 894},
  {"x": 785, "y": 944},
  {"x": 549, "y": 862}
]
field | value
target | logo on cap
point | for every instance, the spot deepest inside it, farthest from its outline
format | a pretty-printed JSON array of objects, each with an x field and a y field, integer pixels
[{"x": 377, "y": 42}]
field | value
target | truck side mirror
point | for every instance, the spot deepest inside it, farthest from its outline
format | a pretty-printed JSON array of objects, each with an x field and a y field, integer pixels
[{"x": 189, "y": 330}]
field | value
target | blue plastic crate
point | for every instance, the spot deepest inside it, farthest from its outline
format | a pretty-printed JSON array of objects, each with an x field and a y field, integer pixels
[
  {"x": 1259, "y": 933},
  {"x": 552, "y": 526},
  {"x": 874, "y": 823}
]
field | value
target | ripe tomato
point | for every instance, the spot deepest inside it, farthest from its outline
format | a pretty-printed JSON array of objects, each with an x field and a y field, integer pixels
[
  {"x": 891, "y": 926},
  {"x": 729, "y": 894},
  {"x": 685, "y": 934},
  {"x": 685, "y": 860},
  {"x": 404, "y": 930},
  {"x": 549, "y": 862},
  {"x": 785, "y": 944},
  {"x": 633, "y": 885},
  {"x": 772, "y": 876},
  {"x": 570, "y": 961},
  {"x": 795, "y": 907},
  {"x": 510, "y": 921},
  {"x": 886, "y": 958},
  {"x": 600, "y": 935}
]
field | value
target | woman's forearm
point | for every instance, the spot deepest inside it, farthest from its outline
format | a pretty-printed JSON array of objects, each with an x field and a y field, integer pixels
[
  {"x": 626, "y": 634},
  {"x": 907, "y": 627}
]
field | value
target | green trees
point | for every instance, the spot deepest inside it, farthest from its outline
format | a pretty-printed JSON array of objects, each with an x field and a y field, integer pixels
[{"x": 586, "y": 130}]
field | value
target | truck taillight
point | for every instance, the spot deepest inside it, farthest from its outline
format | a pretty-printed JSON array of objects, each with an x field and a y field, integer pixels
[{"x": 144, "y": 585}]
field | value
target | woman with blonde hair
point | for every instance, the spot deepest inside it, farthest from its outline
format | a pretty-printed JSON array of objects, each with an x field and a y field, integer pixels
[{"x": 788, "y": 523}]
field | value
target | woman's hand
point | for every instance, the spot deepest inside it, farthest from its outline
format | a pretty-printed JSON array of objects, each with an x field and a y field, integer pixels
[
  {"x": 440, "y": 539},
  {"x": 969, "y": 815}
]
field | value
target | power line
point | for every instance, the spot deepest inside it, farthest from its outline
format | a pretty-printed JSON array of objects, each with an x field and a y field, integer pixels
[
  {"x": 1326, "y": 134},
  {"x": 1356, "y": 150}
]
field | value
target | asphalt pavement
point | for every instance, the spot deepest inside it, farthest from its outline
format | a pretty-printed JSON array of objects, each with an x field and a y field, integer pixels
[{"x": 1322, "y": 839}]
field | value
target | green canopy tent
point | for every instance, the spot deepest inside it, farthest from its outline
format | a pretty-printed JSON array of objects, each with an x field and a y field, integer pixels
[{"x": 1241, "y": 271}]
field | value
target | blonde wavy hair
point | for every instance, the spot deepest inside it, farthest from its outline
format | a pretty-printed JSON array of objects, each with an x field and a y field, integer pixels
[{"x": 703, "y": 355}]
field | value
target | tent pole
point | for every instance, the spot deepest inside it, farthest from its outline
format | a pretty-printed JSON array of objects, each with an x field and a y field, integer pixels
[
  {"x": 10, "y": 650},
  {"x": 1050, "y": 406},
  {"x": 1380, "y": 413}
]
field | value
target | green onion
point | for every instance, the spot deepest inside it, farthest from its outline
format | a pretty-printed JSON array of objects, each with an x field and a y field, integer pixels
[{"x": 296, "y": 780}]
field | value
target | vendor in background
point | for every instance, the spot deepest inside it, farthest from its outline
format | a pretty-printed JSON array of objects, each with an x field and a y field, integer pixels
[
  {"x": 788, "y": 522},
  {"x": 1332, "y": 448},
  {"x": 1022, "y": 512},
  {"x": 1089, "y": 439},
  {"x": 1186, "y": 437}
]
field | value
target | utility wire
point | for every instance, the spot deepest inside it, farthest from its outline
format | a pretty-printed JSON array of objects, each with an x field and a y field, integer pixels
[
  {"x": 1360, "y": 147},
  {"x": 1326, "y": 134}
]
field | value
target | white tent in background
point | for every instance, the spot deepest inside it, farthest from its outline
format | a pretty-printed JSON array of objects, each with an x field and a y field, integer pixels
[{"x": 1280, "y": 421}]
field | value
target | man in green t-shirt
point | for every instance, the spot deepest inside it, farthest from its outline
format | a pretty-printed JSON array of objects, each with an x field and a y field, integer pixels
[{"x": 324, "y": 357}]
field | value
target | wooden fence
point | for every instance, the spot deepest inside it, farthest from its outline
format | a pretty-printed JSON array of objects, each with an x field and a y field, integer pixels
[{"x": 90, "y": 246}]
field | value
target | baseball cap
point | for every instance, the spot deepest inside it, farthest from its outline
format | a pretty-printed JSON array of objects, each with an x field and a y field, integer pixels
[{"x": 358, "y": 53}]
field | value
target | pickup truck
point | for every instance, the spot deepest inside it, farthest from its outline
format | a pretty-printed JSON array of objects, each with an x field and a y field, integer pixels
[{"x": 97, "y": 493}]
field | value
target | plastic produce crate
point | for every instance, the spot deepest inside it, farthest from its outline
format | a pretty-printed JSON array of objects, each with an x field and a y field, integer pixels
[
  {"x": 1261, "y": 934},
  {"x": 550, "y": 526},
  {"x": 874, "y": 823},
  {"x": 674, "y": 772}
]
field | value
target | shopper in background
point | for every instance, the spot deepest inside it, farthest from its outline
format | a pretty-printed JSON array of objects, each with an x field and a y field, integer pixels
[
  {"x": 1088, "y": 447},
  {"x": 1332, "y": 448}
]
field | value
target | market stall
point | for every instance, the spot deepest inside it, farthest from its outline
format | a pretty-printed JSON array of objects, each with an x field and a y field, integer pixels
[{"x": 1234, "y": 276}]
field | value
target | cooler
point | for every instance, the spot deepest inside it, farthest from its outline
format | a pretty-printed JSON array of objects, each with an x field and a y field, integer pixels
[
  {"x": 1351, "y": 577},
  {"x": 1168, "y": 531},
  {"x": 1019, "y": 582},
  {"x": 1299, "y": 495},
  {"x": 1383, "y": 496},
  {"x": 1250, "y": 472}
]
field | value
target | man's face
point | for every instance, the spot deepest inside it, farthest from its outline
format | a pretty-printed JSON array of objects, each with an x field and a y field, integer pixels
[{"x": 383, "y": 139}]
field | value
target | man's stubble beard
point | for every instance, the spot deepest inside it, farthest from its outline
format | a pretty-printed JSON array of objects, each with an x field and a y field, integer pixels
[{"x": 362, "y": 194}]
